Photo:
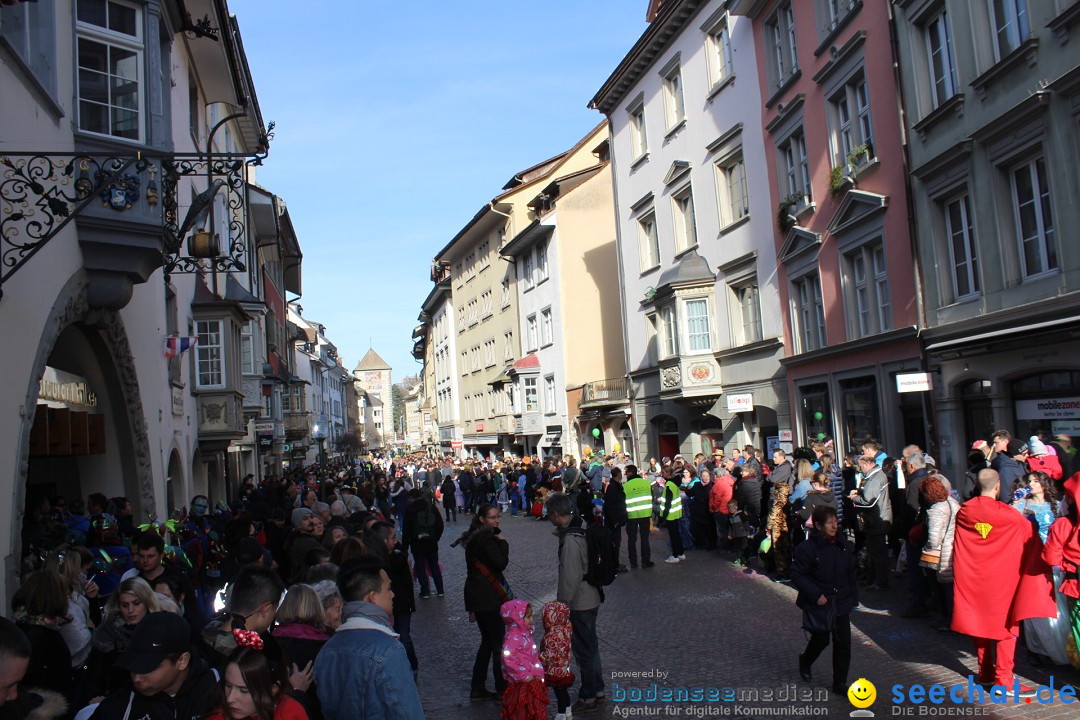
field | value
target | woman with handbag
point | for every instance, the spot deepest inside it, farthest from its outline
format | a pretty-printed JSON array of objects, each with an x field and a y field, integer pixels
[
  {"x": 486, "y": 557},
  {"x": 936, "y": 558},
  {"x": 824, "y": 574}
]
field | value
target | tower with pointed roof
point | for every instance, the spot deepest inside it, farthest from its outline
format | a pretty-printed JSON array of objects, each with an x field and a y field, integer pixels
[{"x": 376, "y": 397}]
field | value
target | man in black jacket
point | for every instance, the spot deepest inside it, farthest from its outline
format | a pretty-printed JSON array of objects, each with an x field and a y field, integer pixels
[
  {"x": 423, "y": 529},
  {"x": 167, "y": 683},
  {"x": 615, "y": 517}
]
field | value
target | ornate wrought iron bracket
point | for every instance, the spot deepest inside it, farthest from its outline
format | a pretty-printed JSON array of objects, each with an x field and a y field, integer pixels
[
  {"x": 41, "y": 193},
  {"x": 229, "y": 172}
]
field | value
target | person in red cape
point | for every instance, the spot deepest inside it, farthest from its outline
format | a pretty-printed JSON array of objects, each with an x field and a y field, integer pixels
[
  {"x": 1063, "y": 550},
  {"x": 999, "y": 580}
]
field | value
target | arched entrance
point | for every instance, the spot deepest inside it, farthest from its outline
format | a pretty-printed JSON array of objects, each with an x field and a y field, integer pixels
[
  {"x": 174, "y": 480},
  {"x": 86, "y": 431}
]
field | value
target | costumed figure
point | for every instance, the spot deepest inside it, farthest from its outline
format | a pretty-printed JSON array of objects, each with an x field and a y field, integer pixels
[
  {"x": 525, "y": 697},
  {"x": 1062, "y": 552},
  {"x": 999, "y": 579},
  {"x": 555, "y": 654}
]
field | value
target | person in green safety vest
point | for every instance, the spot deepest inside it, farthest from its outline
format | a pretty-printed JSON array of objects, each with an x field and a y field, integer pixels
[
  {"x": 670, "y": 512},
  {"x": 638, "y": 516}
]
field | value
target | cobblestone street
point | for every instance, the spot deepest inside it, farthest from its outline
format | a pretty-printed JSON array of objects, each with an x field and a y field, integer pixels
[{"x": 703, "y": 623}]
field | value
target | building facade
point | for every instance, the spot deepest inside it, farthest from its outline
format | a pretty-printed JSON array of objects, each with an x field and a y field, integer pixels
[
  {"x": 992, "y": 102},
  {"x": 139, "y": 266},
  {"x": 373, "y": 376},
  {"x": 836, "y": 169},
  {"x": 567, "y": 283},
  {"x": 700, "y": 302}
]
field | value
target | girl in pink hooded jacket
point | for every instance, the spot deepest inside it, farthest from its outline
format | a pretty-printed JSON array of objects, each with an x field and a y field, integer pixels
[{"x": 525, "y": 697}]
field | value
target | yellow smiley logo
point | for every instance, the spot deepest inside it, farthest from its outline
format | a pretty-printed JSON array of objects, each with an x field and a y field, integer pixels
[{"x": 862, "y": 693}]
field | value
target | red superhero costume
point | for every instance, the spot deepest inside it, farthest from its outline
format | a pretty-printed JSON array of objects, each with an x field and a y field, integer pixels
[{"x": 999, "y": 580}]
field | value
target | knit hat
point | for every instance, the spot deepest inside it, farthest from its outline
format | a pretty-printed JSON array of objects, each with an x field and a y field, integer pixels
[
  {"x": 1035, "y": 446},
  {"x": 299, "y": 514},
  {"x": 1015, "y": 448}
]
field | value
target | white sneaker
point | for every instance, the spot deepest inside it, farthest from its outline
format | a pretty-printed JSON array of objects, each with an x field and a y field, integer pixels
[
  {"x": 560, "y": 716},
  {"x": 682, "y": 557},
  {"x": 672, "y": 560}
]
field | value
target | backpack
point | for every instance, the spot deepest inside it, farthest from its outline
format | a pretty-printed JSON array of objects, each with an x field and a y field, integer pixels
[
  {"x": 603, "y": 560},
  {"x": 427, "y": 523}
]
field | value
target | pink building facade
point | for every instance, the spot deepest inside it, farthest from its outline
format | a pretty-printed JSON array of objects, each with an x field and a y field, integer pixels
[{"x": 847, "y": 273}]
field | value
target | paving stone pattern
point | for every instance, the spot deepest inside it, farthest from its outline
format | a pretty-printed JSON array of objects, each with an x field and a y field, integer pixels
[{"x": 704, "y": 623}]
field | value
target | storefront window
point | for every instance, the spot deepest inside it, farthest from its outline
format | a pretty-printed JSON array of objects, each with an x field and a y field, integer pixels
[
  {"x": 816, "y": 412},
  {"x": 1047, "y": 404},
  {"x": 859, "y": 399}
]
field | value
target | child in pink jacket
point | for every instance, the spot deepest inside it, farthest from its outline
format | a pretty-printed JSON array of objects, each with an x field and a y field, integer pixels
[{"x": 525, "y": 697}]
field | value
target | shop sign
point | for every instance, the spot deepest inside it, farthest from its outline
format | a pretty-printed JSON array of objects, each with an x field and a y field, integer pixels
[
  {"x": 1066, "y": 427},
  {"x": 1048, "y": 409},
  {"x": 785, "y": 436},
  {"x": 265, "y": 440},
  {"x": 479, "y": 427},
  {"x": 60, "y": 387},
  {"x": 264, "y": 427},
  {"x": 742, "y": 402},
  {"x": 913, "y": 382},
  {"x": 456, "y": 445}
]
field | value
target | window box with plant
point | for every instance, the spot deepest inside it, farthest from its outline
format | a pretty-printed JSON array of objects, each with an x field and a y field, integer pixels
[{"x": 788, "y": 208}]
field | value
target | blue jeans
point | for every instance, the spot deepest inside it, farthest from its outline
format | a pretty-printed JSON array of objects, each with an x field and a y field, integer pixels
[
  {"x": 424, "y": 562},
  {"x": 586, "y": 649}
]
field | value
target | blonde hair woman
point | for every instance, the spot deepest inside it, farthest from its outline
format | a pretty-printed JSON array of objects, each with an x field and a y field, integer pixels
[
  {"x": 132, "y": 601},
  {"x": 301, "y": 632},
  {"x": 71, "y": 563}
]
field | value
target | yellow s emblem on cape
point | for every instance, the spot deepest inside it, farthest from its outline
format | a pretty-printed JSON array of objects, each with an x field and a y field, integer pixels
[{"x": 983, "y": 529}]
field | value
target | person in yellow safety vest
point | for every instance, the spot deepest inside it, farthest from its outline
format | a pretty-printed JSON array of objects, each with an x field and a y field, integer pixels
[
  {"x": 639, "y": 516},
  {"x": 670, "y": 512}
]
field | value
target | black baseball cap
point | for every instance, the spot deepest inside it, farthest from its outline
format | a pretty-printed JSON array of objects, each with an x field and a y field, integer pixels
[{"x": 159, "y": 635}]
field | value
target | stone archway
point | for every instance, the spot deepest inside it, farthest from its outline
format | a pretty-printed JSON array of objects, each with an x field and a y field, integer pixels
[{"x": 105, "y": 333}]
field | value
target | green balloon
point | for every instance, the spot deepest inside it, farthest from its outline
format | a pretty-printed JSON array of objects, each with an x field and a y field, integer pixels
[
  {"x": 596, "y": 432},
  {"x": 821, "y": 436},
  {"x": 818, "y": 416}
]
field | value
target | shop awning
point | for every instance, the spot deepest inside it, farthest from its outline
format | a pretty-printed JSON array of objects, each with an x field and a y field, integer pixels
[{"x": 1025, "y": 329}]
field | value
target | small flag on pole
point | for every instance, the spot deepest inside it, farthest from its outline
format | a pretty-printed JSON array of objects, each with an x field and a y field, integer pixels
[{"x": 176, "y": 345}]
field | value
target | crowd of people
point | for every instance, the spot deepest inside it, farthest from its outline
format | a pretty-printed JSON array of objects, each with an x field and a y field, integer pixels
[{"x": 295, "y": 600}]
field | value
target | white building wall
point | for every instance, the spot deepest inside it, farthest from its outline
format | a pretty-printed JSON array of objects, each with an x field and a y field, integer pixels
[{"x": 707, "y": 119}]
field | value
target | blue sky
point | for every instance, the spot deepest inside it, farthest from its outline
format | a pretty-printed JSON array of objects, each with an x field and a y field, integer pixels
[{"x": 397, "y": 121}]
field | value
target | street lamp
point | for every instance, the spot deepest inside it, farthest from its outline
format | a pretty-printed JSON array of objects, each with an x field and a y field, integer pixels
[{"x": 320, "y": 437}]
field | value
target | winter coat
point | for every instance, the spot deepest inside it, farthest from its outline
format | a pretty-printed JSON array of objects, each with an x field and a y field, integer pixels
[
  {"x": 940, "y": 531},
  {"x": 35, "y": 704},
  {"x": 748, "y": 495},
  {"x": 723, "y": 489},
  {"x": 486, "y": 547},
  {"x": 363, "y": 671},
  {"x": 50, "y": 661},
  {"x": 615, "y": 504},
  {"x": 813, "y": 500},
  {"x": 1009, "y": 470},
  {"x": 1049, "y": 464},
  {"x": 782, "y": 474},
  {"x": 409, "y": 536},
  {"x": 286, "y": 709},
  {"x": 520, "y": 661},
  {"x": 192, "y": 701},
  {"x": 825, "y": 568},
  {"x": 555, "y": 648},
  {"x": 448, "y": 490},
  {"x": 300, "y": 642},
  {"x": 1062, "y": 548},
  {"x": 873, "y": 501},
  {"x": 573, "y": 564}
]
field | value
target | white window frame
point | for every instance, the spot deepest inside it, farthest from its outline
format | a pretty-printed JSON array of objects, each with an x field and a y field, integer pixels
[
  {"x": 508, "y": 347},
  {"x": 1010, "y": 25},
  {"x": 963, "y": 259},
  {"x": 795, "y": 166},
  {"x": 527, "y": 270},
  {"x": 866, "y": 276},
  {"x": 668, "y": 326},
  {"x": 639, "y": 139},
  {"x": 808, "y": 311},
  {"x": 851, "y": 119},
  {"x": 247, "y": 347},
  {"x": 674, "y": 96},
  {"x": 485, "y": 303},
  {"x": 210, "y": 355},
  {"x": 698, "y": 329},
  {"x": 718, "y": 47},
  {"x": 530, "y": 333},
  {"x": 505, "y": 293},
  {"x": 1044, "y": 231},
  {"x": 547, "y": 327},
  {"x": 938, "y": 34},
  {"x": 732, "y": 190},
  {"x": 683, "y": 219},
  {"x": 648, "y": 242},
  {"x": 541, "y": 263},
  {"x": 529, "y": 390},
  {"x": 550, "y": 401},
  {"x": 114, "y": 39},
  {"x": 746, "y": 295}
]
